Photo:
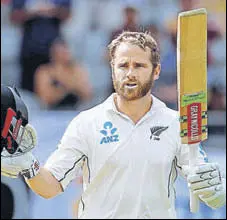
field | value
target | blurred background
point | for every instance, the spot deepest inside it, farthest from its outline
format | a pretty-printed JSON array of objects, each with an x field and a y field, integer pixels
[{"x": 55, "y": 53}]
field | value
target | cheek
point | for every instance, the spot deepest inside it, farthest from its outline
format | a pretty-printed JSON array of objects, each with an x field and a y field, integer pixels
[
  {"x": 118, "y": 74},
  {"x": 145, "y": 76}
]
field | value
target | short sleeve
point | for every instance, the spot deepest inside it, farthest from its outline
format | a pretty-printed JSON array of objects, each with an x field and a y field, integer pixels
[
  {"x": 183, "y": 155},
  {"x": 66, "y": 161}
]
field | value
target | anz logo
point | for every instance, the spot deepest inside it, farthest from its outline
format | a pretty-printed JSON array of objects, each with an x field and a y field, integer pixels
[{"x": 109, "y": 133}]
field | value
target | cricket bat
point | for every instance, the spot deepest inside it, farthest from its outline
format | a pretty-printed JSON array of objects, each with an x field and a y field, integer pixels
[{"x": 192, "y": 82}]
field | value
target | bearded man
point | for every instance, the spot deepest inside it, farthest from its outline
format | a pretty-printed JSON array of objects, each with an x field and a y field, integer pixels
[{"x": 128, "y": 147}]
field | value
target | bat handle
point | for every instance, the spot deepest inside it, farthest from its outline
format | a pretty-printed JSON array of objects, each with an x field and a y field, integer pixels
[{"x": 194, "y": 201}]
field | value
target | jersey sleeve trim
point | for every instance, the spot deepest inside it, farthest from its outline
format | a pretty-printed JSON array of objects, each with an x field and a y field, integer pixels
[
  {"x": 172, "y": 176},
  {"x": 76, "y": 162}
]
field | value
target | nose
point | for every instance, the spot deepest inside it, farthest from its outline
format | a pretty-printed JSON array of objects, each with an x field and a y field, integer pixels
[{"x": 131, "y": 73}]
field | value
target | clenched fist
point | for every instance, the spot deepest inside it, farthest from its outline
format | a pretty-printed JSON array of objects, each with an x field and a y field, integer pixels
[{"x": 207, "y": 183}]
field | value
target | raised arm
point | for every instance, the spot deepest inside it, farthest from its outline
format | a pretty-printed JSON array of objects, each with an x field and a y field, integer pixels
[
  {"x": 63, "y": 165},
  {"x": 45, "y": 184},
  {"x": 205, "y": 179},
  {"x": 49, "y": 180}
]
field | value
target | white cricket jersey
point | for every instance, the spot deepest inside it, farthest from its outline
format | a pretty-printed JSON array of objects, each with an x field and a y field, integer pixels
[{"x": 129, "y": 169}]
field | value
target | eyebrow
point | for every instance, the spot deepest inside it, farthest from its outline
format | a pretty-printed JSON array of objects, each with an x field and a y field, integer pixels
[
  {"x": 143, "y": 64},
  {"x": 125, "y": 62}
]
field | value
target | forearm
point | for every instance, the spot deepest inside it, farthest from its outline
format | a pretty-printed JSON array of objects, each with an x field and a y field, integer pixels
[{"x": 45, "y": 184}]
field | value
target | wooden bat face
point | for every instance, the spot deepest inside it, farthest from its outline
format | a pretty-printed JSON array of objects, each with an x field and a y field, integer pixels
[{"x": 192, "y": 75}]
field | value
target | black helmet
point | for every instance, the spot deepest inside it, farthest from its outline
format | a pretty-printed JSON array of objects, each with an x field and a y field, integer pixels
[{"x": 14, "y": 117}]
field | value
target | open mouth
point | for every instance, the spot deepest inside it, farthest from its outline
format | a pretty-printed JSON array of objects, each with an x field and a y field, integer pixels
[{"x": 131, "y": 85}]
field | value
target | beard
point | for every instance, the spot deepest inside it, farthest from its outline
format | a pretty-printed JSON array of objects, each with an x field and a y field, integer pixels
[{"x": 130, "y": 94}]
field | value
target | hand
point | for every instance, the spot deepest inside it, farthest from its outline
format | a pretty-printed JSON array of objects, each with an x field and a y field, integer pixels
[
  {"x": 22, "y": 161},
  {"x": 25, "y": 164},
  {"x": 28, "y": 141},
  {"x": 207, "y": 183}
]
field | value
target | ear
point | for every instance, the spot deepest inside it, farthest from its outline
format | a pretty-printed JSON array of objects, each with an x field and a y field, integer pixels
[
  {"x": 157, "y": 71},
  {"x": 112, "y": 68}
]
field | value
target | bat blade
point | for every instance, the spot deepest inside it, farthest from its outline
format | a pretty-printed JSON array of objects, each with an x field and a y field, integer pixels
[
  {"x": 192, "y": 75},
  {"x": 192, "y": 81}
]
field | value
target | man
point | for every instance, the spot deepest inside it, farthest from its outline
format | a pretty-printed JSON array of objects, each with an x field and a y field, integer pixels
[
  {"x": 128, "y": 147},
  {"x": 130, "y": 23}
]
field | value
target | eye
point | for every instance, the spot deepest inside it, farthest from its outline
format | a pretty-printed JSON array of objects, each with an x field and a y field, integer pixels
[
  {"x": 138, "y": 65},
  {"x": 123, "y": 65}
]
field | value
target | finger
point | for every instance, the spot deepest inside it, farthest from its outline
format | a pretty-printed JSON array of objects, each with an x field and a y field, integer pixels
[
  {"x": 204, "y": 183},
  {"x": 202, "y": 176},
  {"x": 28, "y": 141},
  {"x": 5, "y": 153},
  {"x": 206, "y": 168},
  {"x": 206, "y": 194},
  {"x": 11, "y": 175},
  {"x": 207, "y": 191},
  {"x": 32, "y": 132},
  {"x": 213, "y": 197},
  {"x": 10, "y": 170}
]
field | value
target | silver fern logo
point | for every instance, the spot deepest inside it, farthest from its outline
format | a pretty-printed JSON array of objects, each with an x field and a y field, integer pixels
[{"x": 156, "y": 131}]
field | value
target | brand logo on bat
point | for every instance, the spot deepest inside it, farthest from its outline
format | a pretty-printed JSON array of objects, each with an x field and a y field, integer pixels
[
  {"x": 109, "y": 133},
  {"x": 194, "y": 122},
  {"x": 156, "y": 131}
]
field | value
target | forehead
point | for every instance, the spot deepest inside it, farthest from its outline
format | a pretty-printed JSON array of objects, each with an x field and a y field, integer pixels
[{"x": 126, "y": 51}]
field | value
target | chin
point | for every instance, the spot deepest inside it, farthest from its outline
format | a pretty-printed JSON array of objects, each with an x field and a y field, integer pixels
[{"x": 131, "y": 96}]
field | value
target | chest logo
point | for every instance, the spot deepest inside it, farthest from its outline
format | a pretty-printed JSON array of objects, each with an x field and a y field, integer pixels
[
  {"x": 156, "y": 131},
  {"x": 109, "y": 133}
]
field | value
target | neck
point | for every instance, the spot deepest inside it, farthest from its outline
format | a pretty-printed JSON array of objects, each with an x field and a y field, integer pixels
[{"x": 134, "y": 109}]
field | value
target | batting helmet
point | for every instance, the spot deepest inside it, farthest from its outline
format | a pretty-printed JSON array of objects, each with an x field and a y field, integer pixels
[{"x": 14, "y": 117}]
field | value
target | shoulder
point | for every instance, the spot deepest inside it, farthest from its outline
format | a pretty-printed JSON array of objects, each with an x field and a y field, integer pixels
[
  {"x": 172, "y": 114},
  {"x": 90, "y": 115},
  {"x": 94, "y": 115},
  {"x": 163, "y": 112},
  {"x": 169, "y": 117}
]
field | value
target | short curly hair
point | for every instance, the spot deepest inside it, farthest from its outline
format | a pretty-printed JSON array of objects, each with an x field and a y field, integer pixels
[{"x": 140, "y": 39}]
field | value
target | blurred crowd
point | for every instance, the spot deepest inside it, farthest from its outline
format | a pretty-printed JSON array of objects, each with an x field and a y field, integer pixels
[{"x": 55, "y": 51}]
